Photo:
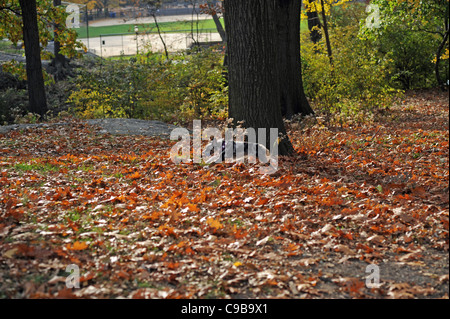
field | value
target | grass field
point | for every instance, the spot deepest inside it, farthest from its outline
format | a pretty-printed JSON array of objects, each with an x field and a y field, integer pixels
[
  {"x": 179, "y": 26},
  {"x": 7, "y": 47}
]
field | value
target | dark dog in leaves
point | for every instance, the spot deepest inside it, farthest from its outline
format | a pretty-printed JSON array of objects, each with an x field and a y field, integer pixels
[{"x": 220, "y": 150}]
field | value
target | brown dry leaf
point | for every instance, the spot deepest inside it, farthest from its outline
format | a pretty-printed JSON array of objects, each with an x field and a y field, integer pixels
[
  {"x": 308, "y": 261},
  {"x": 57, "y": 279},
  {"x": 443, "y": 278},
  {"x": 344, "y": 249},
  {"x": 406, "y": 218},
  {"x": 65, "y": 294},
  {"x": 10, "y": 253},
  {"x": 425, "y": 291},
  {"x": 400, "y": 294},
  {"x": 398, "y": 286},
  {"x": 410, "y": 256},
  {"x": 376, "y": 239},
  {"x": 325, "y": 229}
]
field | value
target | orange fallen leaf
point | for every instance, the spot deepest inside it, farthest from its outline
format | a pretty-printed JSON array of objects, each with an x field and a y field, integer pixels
[
  {"x": 77, "y": 246},
  {"x": 214, "y": 223},
  {"x": 193, "y": 208},
  {"x": 135, "y": 175}
]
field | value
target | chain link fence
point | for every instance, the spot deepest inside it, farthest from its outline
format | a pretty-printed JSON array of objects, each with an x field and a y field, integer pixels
[{"x": 132, "y": 43}]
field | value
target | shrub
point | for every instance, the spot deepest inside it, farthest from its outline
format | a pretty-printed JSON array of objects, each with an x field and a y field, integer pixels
[
  {"x": 151, "y": 87},
  {"x": 410, "y": 32},
  {"x": 356, "y": 85},
  {"x": 411, "y": 56}
]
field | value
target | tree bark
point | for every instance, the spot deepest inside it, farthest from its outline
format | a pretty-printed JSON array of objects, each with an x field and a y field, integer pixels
[
  {"x": 254, "y": 91},
  {"x": 438, "y": 59},
  {"x": 35, "y": 79},
  {"x": 313, "y": 26},
  {"x": 293, "y": 99},
  {"x": 217, "y": 22},
  {"x": 59, "y": 63},
  {"x": 160, "y": 35}
]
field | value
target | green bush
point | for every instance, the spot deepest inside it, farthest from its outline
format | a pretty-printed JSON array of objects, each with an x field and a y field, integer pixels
[
  {"x": 356, "y": 85},
  {"x": 411, "y": 56},
  {"x": 410, "y": 33},
  {"x": 371, "y": 66},
  {"x": 151, "y": 87}
]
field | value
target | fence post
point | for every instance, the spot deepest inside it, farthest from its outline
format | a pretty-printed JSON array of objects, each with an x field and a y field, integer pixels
[{"x": 101, "y": 46}]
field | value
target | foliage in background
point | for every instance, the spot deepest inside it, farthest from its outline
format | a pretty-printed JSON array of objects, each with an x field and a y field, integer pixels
[
  {"x": 377, "y": 51},
  {"x": 11, "y": 28},
  {"x": 149, "y": 87},
  {"x": 414, "y": 34},
  {"x": 370, "y": 66},
  {"x": 357, "y": 84},
  {"x": 316, "y": 5}
]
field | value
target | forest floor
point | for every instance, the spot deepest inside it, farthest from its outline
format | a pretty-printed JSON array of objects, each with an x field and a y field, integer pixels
[{"x": 359, "y": 201}]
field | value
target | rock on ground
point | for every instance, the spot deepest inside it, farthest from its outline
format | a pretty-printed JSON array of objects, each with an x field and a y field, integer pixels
[{"x": 111, "y": 126}]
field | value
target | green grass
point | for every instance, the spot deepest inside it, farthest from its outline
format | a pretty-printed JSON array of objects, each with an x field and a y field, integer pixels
[
  {"x": 36, "y": 167},
  {"x": 7, "y": 47},
  {"x": 179, "y": 26}
]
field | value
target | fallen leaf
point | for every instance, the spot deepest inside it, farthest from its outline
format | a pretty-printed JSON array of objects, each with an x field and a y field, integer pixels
[
  {"x": 10, "y": 253},
  {"x": 77, "y": 246}
]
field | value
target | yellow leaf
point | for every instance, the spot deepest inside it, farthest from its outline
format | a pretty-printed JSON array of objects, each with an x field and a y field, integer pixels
[{"x": 214, "y": 223}]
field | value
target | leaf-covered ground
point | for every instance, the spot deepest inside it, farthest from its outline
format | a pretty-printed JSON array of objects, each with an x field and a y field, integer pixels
[{"x": 139, "y": 226}]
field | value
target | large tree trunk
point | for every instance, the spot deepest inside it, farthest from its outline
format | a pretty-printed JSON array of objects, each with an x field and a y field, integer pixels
[
  {"x": 254, "y": 94},
  {"x": 36, "y": 89},
  {"x": 293, "y": 99}
]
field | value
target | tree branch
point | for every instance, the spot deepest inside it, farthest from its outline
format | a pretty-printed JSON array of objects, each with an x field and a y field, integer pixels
[{"x": 12, "y": 9}]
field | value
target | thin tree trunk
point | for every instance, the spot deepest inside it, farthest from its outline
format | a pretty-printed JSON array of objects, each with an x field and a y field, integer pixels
[
  {"x": 57, "y": 46},
  {"x": 217, "y": 22},
  {"x": 195, "y": 41},
  {"x": 35, "y": 79},
  {"x": 254, "y": 95},
  {"x": 438, "y": 59},
  {"x": 220, "y": 28},
  {"x": 160, "y": 35},
  {"x": 221, "y": 31},
  {"x": 327, "y": 36}
]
